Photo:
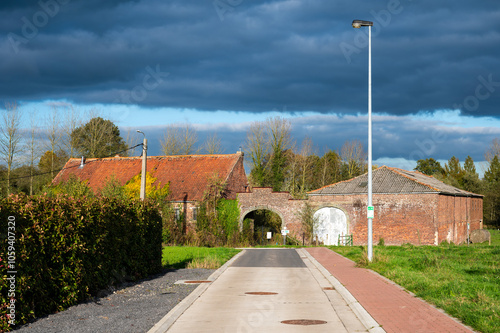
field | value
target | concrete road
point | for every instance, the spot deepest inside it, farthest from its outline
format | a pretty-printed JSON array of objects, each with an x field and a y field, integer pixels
[
  {"x": 262, "y": 290},
  {"x": 269, "y": 258}
]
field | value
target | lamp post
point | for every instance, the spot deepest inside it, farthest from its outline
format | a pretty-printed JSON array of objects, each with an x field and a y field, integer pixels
[
  {"x": 370, "y": 212},
  {"x": 143, "y": 172}
]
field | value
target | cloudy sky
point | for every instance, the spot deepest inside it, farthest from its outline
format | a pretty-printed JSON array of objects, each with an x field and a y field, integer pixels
[{"x": 221, "y": 64}]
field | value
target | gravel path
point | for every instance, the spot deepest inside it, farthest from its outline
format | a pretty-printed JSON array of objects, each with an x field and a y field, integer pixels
[{"x": 134, "y": 307}]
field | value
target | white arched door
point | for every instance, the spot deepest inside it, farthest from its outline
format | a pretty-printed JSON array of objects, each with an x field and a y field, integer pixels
[{"x": 332, "y": 222}]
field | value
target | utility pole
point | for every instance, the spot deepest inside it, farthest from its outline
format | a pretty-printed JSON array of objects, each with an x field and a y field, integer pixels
[{"x": 144, "y": 159}]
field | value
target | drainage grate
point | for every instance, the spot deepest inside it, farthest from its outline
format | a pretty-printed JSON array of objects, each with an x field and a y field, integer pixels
[
  {"x": 261, "y": 293},
  {"x": 303, "y": 322},
  {"x": 197, "y": 281}
]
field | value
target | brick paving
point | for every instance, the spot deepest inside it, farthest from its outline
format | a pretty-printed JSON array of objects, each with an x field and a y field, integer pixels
[{"x": 393, "y": 308}]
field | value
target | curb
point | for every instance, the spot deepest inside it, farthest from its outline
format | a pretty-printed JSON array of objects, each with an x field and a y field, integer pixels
[
  {"x": 366, "y": 319},
  {"x": 170, "y": 318}
]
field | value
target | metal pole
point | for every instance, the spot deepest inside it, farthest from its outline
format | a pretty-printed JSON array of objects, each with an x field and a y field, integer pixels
[
  {"x": 143, "y": 172},
  {"x": 370, "y": 219}
]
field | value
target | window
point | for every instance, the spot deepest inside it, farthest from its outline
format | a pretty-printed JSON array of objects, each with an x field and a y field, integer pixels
[
  {"x": 177, "y": 214},
  {"x": 195, "y": 213}
]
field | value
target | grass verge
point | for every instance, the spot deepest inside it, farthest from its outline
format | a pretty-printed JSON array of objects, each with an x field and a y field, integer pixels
[
  {"x": 196, "y": 257},
  {"x": 462, "y": 280}
]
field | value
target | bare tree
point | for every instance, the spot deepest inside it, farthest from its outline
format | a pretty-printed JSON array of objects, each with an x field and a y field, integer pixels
[
  {"x": 213, "y": 145},
  {"x": 493, "y": 150},
  {"x": 132, "y": 138},
  {"x": 353, "y": 157},
  {"x": 10, "y": 137},
  {"x": 279, "y": 134},
  {"x": 179, "y": 140},
  {"x": 54, "y": 135},
  {"x": 189, "y": 139},
  {"x": 170, "y": 144},
  {"x": 32, "y": 147},
  {"x": 72, "y": 120}
]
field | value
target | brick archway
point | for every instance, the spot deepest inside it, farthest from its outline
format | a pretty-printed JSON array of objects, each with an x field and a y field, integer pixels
[
  {"x": 280, "y": 203},
  {"x": 248, "y": 210}
]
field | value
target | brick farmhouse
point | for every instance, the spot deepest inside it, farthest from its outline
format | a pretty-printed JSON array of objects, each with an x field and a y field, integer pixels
[
  {"x": 187, "y": 175},
  {"x": 410, "y": 207}
]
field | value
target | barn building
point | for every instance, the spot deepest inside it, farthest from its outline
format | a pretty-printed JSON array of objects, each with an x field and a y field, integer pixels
[
  {"x": 187, "y": 175},
  {"x": 410, "y": 207}
]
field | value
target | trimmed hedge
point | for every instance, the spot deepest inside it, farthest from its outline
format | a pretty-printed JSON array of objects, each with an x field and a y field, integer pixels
[{"x": 68, "y": 249}]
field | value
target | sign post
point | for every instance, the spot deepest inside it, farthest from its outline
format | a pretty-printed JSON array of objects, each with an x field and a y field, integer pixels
[{"x": 284, "y": 232}]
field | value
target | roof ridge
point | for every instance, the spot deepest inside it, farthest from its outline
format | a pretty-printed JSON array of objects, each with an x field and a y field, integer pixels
[
  {"x": 396, "y": 170},
  {"x": 156, "y": 156}
]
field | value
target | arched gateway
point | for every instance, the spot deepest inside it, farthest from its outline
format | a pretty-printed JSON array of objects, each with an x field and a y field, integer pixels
[{"x": 280, "y": 203}]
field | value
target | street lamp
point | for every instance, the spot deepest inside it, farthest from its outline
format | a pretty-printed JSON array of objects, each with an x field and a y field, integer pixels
[
  {"x": 369, "y": 212},
  {"x": 143, "y": 172}
]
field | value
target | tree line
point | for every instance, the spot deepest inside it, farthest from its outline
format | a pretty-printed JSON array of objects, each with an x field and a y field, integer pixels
[
  {"x": 278, "y": 162},
  {"x": 32, "y": 155},
  {"x": 466, "y": 178}
]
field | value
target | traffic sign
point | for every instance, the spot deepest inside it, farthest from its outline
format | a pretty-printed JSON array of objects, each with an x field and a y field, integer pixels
[{"x": 370, "y": 212}]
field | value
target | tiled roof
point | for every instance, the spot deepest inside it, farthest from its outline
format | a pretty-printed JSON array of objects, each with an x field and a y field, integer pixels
[
  {"x": 188, "y": 174},
  {"x": 386, "y": 180}
]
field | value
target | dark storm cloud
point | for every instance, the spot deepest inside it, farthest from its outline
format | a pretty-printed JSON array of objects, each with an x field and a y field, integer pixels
[{"x": 254, "y": 55}]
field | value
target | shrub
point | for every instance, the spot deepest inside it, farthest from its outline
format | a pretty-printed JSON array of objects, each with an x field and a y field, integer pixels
[{"x": 69, "y": 248}]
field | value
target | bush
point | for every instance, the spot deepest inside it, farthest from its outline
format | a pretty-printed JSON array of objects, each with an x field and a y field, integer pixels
[{"x": 67, "y": 249}]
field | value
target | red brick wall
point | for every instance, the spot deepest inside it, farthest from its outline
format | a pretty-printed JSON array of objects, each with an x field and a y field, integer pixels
[
  {"x": 278, "y": 202},
  {"x": 420, "y": 219},
  {"x": 237, "y": 180},
  {"x": 399, "y": 219},
  {"x": 454, "y": 213}
]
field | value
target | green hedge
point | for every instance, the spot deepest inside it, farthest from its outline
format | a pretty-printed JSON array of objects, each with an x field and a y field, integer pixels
[{"x": 68, "y": 249}]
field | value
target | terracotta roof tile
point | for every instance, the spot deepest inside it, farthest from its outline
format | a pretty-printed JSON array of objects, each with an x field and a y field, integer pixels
[{"x": 187, "y": 174}]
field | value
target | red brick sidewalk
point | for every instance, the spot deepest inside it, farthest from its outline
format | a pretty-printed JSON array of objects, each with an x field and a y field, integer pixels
[{"x": 393, "y": 308}]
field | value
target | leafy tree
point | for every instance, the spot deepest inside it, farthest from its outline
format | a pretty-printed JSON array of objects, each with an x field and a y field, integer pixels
[
  {"x": 492, "y": 175},
  {"x": 72, "y": 187},
  {"x": 58, "y": 159},
  {"x": 257, "y": 148},
  {"x": 308, "y": 220},
  {"x": 492, "y": 195},
  {"x": 327, "y": 170},
  {"x": 429, "y": 166},
  {"x": 268, "y": 144},
  {"x": 279, "y": 142},
  {"x": 454, "y": 173},
  {"x": 156, "y": 192},
  {"x": 470, "y": 180},
  {"x": 113, "y": 189},
  {"x": 97, "y": 138}
]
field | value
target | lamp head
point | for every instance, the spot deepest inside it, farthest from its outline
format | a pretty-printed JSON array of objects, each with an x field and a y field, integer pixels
[{"x": 360, "y": 23}]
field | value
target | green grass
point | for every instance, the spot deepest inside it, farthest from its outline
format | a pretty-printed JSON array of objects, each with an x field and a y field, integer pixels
[
  {"x": 196, "y": 257},
  {"x": 495, "y": 237},
  {"x": 464, "y": 281}
]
